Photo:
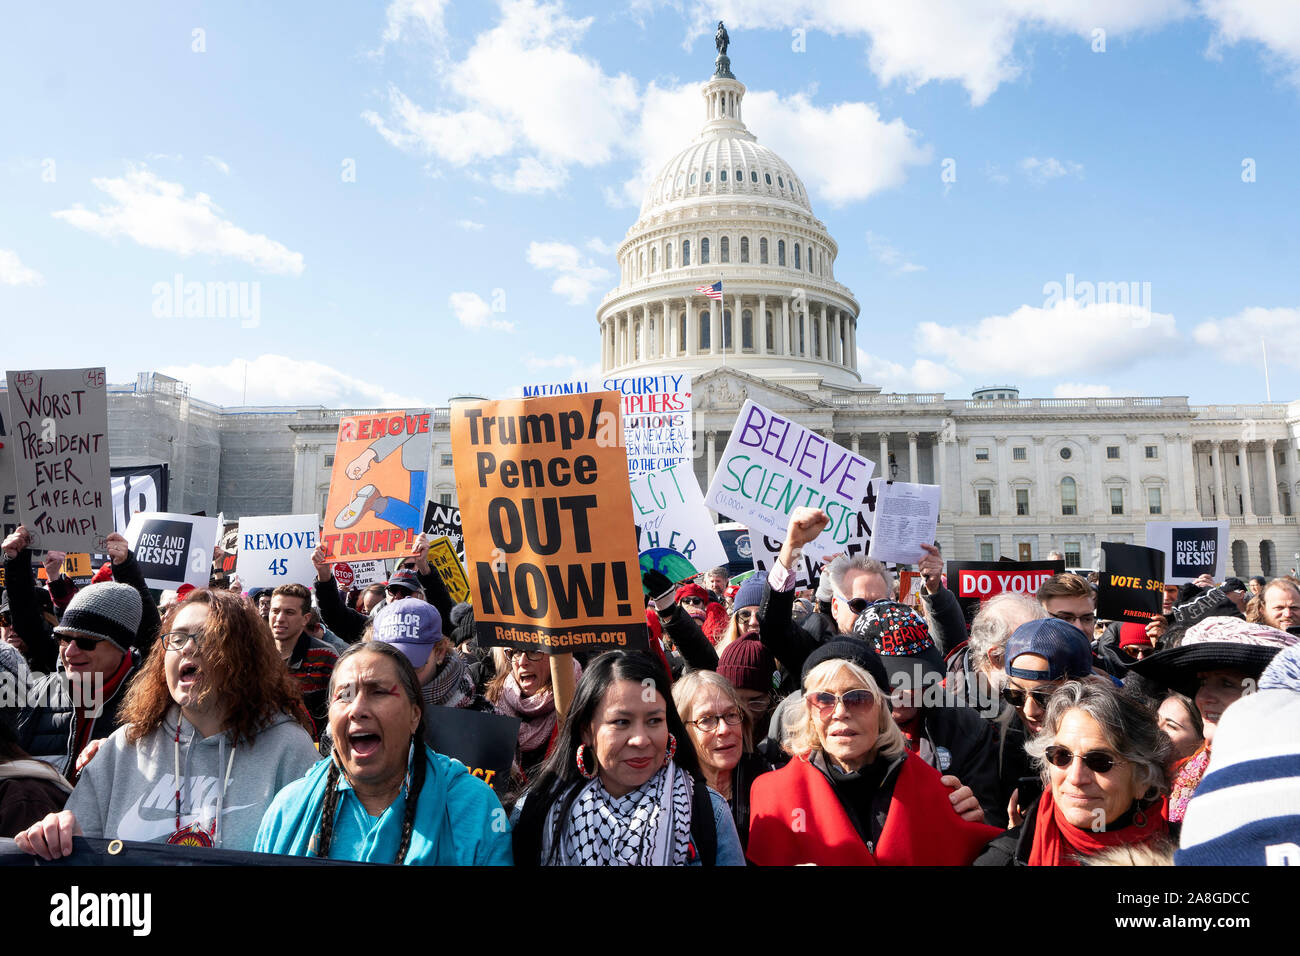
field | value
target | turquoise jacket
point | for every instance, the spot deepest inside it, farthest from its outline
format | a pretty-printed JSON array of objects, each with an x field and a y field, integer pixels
[{"x": 458, "y": 820}]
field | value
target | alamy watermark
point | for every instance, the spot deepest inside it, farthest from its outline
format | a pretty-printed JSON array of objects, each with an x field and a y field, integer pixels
[{"x": 179, "y": 299}]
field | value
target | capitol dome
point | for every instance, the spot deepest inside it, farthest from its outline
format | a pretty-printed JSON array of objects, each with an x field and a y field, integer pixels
[{"x": 728, "y": 210}]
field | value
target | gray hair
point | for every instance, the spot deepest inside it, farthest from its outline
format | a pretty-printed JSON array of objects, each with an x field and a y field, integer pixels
[
  {"x": 836, "y": 570},
  {"x": 993, "y": 624},
  {"x": 1130, "y": 730}
]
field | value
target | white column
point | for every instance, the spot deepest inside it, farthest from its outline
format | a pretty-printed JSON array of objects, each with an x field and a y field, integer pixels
[
  {"x": 853, "y": 343},
  {"x": 736, "y": 326},
  {"x": 1187, "y": 462},
  {"x": 912, "y": 465},
  {"x": 692, "y": 333},
  {"x": 715, "y": 327},
  {"x": 884, "y": 454},
  {"x": 1247, "y": 491},
  {"x": 709, "y": 438},
  {"x": 1274, "y": 507},
  {"x": 783, "y": 340},
  {"x": 1225, "y": 489},
  {"x": 1134, "y": 486},
  {"x": 1100, "y": 499},
  {"x": 645, "y": 332},
  {"x": 941, "y": 472},
  {"x": 664, "y": 337},
  {"x": 1005, "y": 505},
  {"x": 1177, "y": 484},
  {"x": 824, "y": 351},
  {"x": 760, "y": 334}
]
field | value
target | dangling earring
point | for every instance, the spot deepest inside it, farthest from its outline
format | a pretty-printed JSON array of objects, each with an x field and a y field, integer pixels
[
  {"x": 582, "y": 763},
  {"x": 672, "y": 746}
]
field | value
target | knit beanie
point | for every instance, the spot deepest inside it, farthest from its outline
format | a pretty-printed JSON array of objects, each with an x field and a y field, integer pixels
[
  {"x": 750, "y": 593},
  {"x": 1246, "y": 810},
  {"x": 747, "y": 664},
  {"x": 109, "y": 610}
]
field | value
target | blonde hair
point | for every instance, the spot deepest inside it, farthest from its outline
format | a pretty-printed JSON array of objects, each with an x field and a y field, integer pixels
[
  {"x": 690, "y": 686},
  {"x": 802, "y": 738}
]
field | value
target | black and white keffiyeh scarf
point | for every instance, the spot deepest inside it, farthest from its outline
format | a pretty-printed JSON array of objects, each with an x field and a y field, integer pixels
[{"x": 651, "y": 826}]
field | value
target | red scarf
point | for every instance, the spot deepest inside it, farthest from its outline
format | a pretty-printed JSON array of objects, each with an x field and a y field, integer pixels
[
  {"x": 84, "y": 721},
  {"x": 921, "y": 827},
  {"x": 1059, "y": 843}
]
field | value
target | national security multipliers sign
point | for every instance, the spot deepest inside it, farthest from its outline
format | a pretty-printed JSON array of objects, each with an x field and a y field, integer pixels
[{"x": 547, "y": 515}]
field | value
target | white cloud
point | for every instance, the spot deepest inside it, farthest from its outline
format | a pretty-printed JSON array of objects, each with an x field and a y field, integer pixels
[
  {"x": 558, "y": 368},
  {"x": 279, "y": 380},
  {"x": 995, "y": 174},
  {"x": 887, "y": 255},
  {"x": 1062, "y": 339},
  {"x": 531, "y": 175},
  {"x": 402, "y": 13},
  {"x": 600, "y": 247},
  {"x": 870, "y": 155},
  {"x": 1238, "y": 337},
  {"x": 968, "y": 41},
  {"x": 577, "y": 276},
  {"x": 469, "y": 225},
  {"x": 473, "y": 313},
  {"x": 923, "y": 376},
  {"x": 1080, "y": 390},
  {"x": 1043, "y": 170},
  {"x": 158, "y": 215},
  {"x": 521, "y": 86},
  {"x": 218, "y": 163},
  {"x": 1274, "y": 24},
  {"x": 13, "y": 272}
]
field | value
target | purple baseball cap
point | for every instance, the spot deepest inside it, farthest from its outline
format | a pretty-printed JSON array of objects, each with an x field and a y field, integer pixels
[{"x": 412, "y": 626}]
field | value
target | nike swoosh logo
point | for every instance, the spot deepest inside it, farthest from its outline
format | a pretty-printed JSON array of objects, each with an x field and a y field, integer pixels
[{"x": 133, "y": 826}]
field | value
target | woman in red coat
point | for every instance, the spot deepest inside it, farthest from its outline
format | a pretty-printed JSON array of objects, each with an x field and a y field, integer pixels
[{"x": 854, "y": 795}]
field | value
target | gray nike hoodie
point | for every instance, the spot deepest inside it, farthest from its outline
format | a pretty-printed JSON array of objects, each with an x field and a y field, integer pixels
[{"x": 128, "y": 791}]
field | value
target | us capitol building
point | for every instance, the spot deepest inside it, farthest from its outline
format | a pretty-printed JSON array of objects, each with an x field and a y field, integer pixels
[{"x": 1020, "y": 476}]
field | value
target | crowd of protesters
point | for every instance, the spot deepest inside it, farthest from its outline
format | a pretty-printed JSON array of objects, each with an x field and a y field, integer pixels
[{"x": 760, "y": 727}]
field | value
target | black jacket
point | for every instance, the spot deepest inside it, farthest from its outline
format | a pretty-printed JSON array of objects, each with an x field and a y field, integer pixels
[
  {"x": 1013, "y": 847},
  {"x": 49, "y": 726},
  {"x": 684, "y": 631},
  {"x": 750, "y": 767},
  {"x": 28, "y": 622},
  {"x": 972, "y": 753},
  {"x": 943, "y": 614}
]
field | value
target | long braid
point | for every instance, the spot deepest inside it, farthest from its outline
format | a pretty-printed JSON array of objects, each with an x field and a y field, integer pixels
[
  {"x": 325, "y": 835},
  {"x": 413, "y": 797}
]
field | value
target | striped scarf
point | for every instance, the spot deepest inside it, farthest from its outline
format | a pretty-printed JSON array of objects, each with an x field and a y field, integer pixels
[{"x": 650, "y": 826}]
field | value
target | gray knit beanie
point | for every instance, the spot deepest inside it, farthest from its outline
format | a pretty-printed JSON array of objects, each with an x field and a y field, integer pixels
[{"x": 109, "y": 610}]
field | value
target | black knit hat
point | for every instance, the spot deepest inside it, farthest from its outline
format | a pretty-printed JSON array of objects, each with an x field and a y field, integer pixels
[
  {"x": 855, "y": 652},
  {"x": 109, "y": 610}
]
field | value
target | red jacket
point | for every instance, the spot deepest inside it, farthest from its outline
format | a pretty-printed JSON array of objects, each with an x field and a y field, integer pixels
[{"x": 795, "y": 817}]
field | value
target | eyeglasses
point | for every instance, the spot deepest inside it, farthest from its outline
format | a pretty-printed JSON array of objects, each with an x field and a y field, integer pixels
[
  {"x": 692, "y": 602},
  {"x": 1138, "y": 650},
  {"x": 1098, "y": 761},
  {"x": 858, "y": 605},
  {"x": 1083, "y": 620},
  {"x": 514, "y": 652},
  {"x": 854, "y": 701},
  {"x": 175, "y": 640},
  {"x": 748, "y": 614},
  {"x": 759, "y": 705},
  {"x": 709, "y": 722},
  {"x": 84, "y": 643},
  {"x": 1016, "y": 696}
]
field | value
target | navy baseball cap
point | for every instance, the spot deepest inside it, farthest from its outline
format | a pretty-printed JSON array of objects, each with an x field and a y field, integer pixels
[{"x": 1062, "y": 645}]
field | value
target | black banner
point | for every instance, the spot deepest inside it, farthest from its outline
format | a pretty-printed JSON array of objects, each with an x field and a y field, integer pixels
[
  {"x": 976, "y": 581},
  {"x": 1195, "y": 551},
  {"x": 445, "y": 520},
  {"x": 137, "y": 488},
  {"x": 483, "y": 742},
  {"x": 1132, "y": 585}
]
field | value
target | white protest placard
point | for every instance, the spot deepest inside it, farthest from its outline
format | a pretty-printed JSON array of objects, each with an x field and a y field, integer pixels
[
  {"x": 669, "y": 508},
  {"x": 172, "y": 549},
  {"x": 765, "y": 549},
  {"x": 359, "y": 574},
  {"x": 906, "y": 517},
  {"x": 656, "y": 415},
  {"x": 276, "y": 549},
  {"x": 59, "y": 422},
  {"x": 772, "y": 465},
  {"x": 1191, "y": 548}
]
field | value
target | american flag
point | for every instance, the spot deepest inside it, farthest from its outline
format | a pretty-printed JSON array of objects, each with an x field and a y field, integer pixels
[{"x": 712, "y": 291}]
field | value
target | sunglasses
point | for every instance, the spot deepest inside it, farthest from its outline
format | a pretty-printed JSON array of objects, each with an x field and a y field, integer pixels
[
  {"x": 1098, "y": 761},
  {"x": 692, "y": 602},
  {"x": 747, "y": 614},
  {"x": 858, "y": 605},
  {"x": 1016, "y": 697},
  {"x": 1138, "y": 650},
  {"x": 84, "y": 643},
  {"x": 854, "y": 701}
]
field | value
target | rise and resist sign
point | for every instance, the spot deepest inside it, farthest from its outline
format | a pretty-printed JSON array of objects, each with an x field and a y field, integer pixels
[{"x": 549, "y": 537}]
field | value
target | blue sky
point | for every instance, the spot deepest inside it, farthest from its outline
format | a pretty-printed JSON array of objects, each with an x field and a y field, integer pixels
[{"x": 422, "y": 198}]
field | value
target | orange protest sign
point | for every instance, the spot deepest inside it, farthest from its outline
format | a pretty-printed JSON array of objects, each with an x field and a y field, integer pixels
[
  {"x": 546, "y": 510},
  {"x": 74, "y": 566},
  {"x": 377, "y": 487}
]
